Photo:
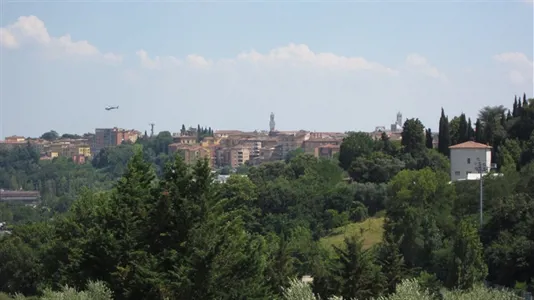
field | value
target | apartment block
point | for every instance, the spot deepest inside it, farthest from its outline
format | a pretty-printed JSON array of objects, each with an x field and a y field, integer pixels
[
  {"x": 239, "y": 156},
  {"x": 108, "y": 137}
]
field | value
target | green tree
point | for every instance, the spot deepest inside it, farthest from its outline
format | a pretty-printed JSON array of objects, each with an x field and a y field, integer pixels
[
  {"x": 419, "y": 212},
  {"x": 479, "y": 132},
  {"x": 392, "y": 262},
  {"x": 355, "y": 145},
  {"x": 467, "y": 266},
  {"x": 376, "y": 167},
  {"x": 489, "y": 117},
  {"x": 444, "y": 138},
  {"x": 463, "y": 129},
  {"x": 385, "y": 145},
  {"x": 51, "y": 135},
  {"x": 454, "y": 128},
  {"x": 470, "y": 130},
  {"x": 429, "y": 139},
  {"x": 413, "y": 137},
  {"x": 360, "y": 277}
]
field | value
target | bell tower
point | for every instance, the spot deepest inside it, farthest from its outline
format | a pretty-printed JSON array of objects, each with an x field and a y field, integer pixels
[
  {"x": 399, "y": 119},
  {"x": 272, "y": 123}
]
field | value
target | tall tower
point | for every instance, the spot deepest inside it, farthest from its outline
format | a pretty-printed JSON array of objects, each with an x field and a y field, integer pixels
[
  {"x": 151, "y": 129},
  {"x": 272, "y": 123},
  {"x": 399, "y": 119}
]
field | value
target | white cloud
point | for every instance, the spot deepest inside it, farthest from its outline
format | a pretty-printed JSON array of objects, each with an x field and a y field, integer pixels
[
  {"x": 301, "y": 54},
  {"x": 157, "y": 62},
  {"x": 198, "y": 60},
  {"x": 420, "y": 64},
  {"x": 521, "y": 67},
  {"x": 7, "y": 39},
  {"x": 292, "y": 55},
  {"x": 516, "y": 58},
  {"x": 32, "y": 30}
]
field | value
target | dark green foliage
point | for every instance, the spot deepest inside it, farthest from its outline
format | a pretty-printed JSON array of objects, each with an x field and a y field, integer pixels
[
  {"x": 392, "y": 262},
  {"x": 359, "y": 276},
  {"x": 467, "y": 266},
  {"x": 376, "y": 167},
  {"x": 444, "y": 138},
  {"x": 413, "y": 137},
  {"x": 479, "y": 132},
  {"x": 463, "y": 130},
  {"x": 50, "y": 135},
  {"x": 429, "y": 140},
  {"x": 355, "y": 145}
]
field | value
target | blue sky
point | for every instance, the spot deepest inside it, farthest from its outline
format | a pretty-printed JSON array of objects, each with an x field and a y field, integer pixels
[{"x": 318, "y": 66}]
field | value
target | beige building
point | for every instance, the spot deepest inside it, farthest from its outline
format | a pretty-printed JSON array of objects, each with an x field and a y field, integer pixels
[
  {"x": 184, "y": 139},
  {"x": 191, "y": 153},
  {"x": 15, "y": 139},
  {"x": 290, "y": 142},
  {"x": 326, "y": 151},
  {"x": 239, "y": 156},
  {"x": 233, "y": 157},
  {"x": 310, "y": 145}
]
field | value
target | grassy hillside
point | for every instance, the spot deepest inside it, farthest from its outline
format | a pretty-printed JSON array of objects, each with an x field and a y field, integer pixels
[{"x": 370, "y": 229}]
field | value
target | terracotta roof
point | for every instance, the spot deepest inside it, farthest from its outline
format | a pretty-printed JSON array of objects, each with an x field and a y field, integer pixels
[
  {"x": 228, "y": 131},
  {"x": 470, "y": 145}
]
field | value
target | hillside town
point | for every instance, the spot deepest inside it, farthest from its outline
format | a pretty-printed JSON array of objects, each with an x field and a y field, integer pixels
[{"x": 223, "y": 148}]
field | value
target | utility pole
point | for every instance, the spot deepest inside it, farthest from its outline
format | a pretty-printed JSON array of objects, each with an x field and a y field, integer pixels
[{"x": 481, "y": 168}]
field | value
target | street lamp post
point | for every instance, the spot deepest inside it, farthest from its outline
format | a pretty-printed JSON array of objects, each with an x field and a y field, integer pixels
[{"x": 481, "y": 168}]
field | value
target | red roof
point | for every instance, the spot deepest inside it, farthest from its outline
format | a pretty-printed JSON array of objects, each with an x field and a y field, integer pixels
[{"x": 470, "y": 145}]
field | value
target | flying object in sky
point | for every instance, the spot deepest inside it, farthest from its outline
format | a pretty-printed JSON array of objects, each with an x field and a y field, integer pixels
[{"x": 112, "y": 107}]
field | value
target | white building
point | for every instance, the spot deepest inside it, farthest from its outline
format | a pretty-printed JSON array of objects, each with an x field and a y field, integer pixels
[{"x": 466, "y": 158}]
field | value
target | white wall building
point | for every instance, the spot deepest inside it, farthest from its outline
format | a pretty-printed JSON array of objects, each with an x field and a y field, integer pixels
[{"x": 465, "y": 158}]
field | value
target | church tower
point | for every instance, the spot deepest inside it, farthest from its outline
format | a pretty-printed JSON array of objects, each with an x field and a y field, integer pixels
[{"x": 399, "y": 119}]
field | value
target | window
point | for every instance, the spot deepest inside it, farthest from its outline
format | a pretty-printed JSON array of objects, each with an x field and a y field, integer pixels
[
  {"x": 457, "y": 173},
  {"x": 468, "y": 160}
]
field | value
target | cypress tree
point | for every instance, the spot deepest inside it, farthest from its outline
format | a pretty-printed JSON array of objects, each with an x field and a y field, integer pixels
[
  {"x": 479, "y": 136},
  {"x": 360, "y": 276},
  {"x": 391, "y": 261},
  {"x": 444, "y": 135},
  {"x": 503, "y": 119},
  {"x": 463, "y": 130},
  {"x": 514, "y": 107},
  {"x": 428, "y": 139},
  {"x": 470, "y": 131}
]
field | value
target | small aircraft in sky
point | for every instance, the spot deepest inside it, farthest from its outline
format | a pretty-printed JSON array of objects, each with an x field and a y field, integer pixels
[{"x": 112, "y": 107}]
